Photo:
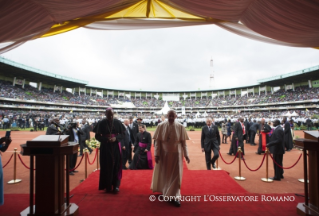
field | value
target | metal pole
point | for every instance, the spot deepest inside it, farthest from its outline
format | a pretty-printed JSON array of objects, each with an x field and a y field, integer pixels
[
  {"x": 14, "y": 181},
  {"x": 267, "y": 179},
  {"x": 239, "y": 178},
  {"x": 86, "y": 162}
]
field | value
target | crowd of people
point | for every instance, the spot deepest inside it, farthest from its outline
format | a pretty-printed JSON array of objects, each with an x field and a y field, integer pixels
[{"x": 47, "y": 95}]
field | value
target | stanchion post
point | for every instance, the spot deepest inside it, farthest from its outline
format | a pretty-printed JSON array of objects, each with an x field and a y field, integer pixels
[
  {"x": 15, "y": 180},
  {"x": 86, "y": 163},
  {"x": 303, "y": 180},
  {"x": 97, "y": 158},
  {"x": 267, "y": 179},
  {"x": 239, "y": 178}
]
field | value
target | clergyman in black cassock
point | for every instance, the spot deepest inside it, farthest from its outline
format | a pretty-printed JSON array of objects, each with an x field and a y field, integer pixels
[
  {"x": 238, "y": 137},
  {"x": 109, "y": 132},
  {"x": 142, "y": 148},
  {"x": 276, "y": 147},
  {"x": 210, "y": 141},
  {"x": 264, "y": 129},
  {"x": 288, "y": 136}
]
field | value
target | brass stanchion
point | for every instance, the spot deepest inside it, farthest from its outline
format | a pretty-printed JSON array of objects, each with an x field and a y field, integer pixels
[
  {"x": 303, "y": 180},
  {"x": 97, "y": 159},
  {"x": 14, "y": 181},
  {"x": 217, "y": 167},
  {"x": 86, "y": 163},
  {"x": 267, "y": 179},
  {"x": 239, "y": 178}
]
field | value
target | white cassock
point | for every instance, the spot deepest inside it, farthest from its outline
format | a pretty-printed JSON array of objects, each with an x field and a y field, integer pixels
[{"x": 170, "y": 147}]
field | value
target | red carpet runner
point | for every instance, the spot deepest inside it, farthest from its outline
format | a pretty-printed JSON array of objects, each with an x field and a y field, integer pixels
[{"x": 133, "y": 198}]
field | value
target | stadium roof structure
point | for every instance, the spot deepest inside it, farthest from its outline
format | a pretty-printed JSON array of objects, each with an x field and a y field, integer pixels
[
  {"x": 14, "y": 69},
  {"x": 304, "y": 75}
]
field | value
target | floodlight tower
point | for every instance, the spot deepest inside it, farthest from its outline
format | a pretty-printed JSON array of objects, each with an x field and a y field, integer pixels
[{"x": 211, "y": 76}]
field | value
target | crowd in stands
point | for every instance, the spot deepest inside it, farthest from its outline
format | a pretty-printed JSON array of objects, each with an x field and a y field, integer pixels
[{"x": 47, "y": 95}]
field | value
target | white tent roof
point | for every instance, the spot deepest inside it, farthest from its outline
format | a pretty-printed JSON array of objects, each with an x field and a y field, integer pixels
[
  {"x": 294, "y": 114},
  {"x": 164, "y": 110},
  {"x": 205, "y": 114}
]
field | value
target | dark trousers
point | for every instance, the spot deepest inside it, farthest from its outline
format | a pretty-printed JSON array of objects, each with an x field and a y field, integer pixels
[
  {"x": 277, "y": 170},
  {"x": 130, "y": 154},
  {"x": 209, "y": 160},
  {"x": 82, "y": 146},
  {"x": 252, "y": 137},
  {"x": 125, "y": 154},
  {"x": 248, "y": 137},
  {"x": 224, "y": 138},
  {"x": 73, "y": 158}
]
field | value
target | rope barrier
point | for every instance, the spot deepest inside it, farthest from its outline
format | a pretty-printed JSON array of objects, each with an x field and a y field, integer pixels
[
  {"x": 94, "y": 158},
  {"x": 71, "y": 170},
  {"x": 227, "y": 162},
  {"x": 8, "y": 161},
  {"x": 23, "y": 162},
  {"x": 285, "y": 167},
  {"x": 253, "y": 170}
]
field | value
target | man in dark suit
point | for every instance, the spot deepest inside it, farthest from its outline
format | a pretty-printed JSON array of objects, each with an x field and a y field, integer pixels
[
  {"x": 134, "y": 131},
  {"x": 210, "y": 141},
  {"x": 126, "y": 143},
  {"x": 253, "y": 130},
  {"x": 247, "y": 125},
  {"x": 54, "y": 128},
  {"x": 288, "y": 136},
  {"x": 84, "y": 136},
  {"x": 238, "y": 136},
  {"x": 309, "y": 124},
  {"x": 277, "y": 148}
]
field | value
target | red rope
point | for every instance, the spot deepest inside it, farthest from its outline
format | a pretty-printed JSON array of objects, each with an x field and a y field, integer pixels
[
  {"x": 285, "y": 167},
  {"x": 259, "y": 165},
  {"x": 8, "y": 161},
  {"x": 71, "y": 170},
  {"x": 23, "y": 162},
  {"x": 94, "y": 158},
  {"x": 225, "y": 161}
]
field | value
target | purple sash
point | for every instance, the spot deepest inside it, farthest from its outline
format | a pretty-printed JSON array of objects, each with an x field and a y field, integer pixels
[{"x": 149, "y": 155}]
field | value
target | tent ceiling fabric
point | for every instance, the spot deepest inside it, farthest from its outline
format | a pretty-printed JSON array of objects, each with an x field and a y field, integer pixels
[{"x": 285, "y": 22}]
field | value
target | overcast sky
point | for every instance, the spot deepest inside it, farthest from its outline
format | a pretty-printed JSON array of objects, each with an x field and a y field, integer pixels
[{"x": 162, "y": 59}]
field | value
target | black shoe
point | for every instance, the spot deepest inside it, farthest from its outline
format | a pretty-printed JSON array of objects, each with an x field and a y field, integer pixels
[
  {"x": 229, "y": 153},
  {"x": 75, "y": 171},
  {"x": 176, "y": 203},
  {"x": 275, "y": 179},
  {"x": 71, "y": 173},
  {"x": 116, "y": 190},
  {"x": 288, "y": 150},
  {"x": 282, "y": 177},
  {"x": 80, "y": 155},
  {"x": 213, "y": 165},
  {"x": 124, "y": 168},
  {"x": 257, "y": 153},
  {"x": 91, "y": 151},
  {"x": 108, "y": 190}
]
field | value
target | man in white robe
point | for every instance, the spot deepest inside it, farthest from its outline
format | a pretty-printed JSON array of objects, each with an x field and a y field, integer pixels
[{"x": 170, "y": 137}]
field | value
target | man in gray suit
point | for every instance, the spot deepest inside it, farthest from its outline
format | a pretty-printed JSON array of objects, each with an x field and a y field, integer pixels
[{"x": 210, "y": 141}]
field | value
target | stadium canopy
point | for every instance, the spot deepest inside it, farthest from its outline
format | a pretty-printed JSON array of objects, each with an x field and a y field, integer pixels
[{"x": 284, "y": 22}]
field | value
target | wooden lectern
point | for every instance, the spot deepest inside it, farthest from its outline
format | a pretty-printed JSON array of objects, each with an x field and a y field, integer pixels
[
  {"x": 310, "y": 144},
  {"x": 51, "y": 176}
]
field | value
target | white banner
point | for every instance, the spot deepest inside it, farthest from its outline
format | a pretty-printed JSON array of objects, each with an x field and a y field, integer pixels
[
  {"x": 121, "y": 94},
  {"x": 221, "y": 93},
  {"x": 94, "y": 91},
  {"x": 250, "y": 90},
  {"x": 82, "y": 90},
  {"x": 58, "y": 88},
  {"x": 204, "y": 94},
  {"x": 19, "y": 82},
  {"x": 193, "y": 94},
  {"x": 233, "y": 92},
  {"x": 288, "y": 87},
  {"x": 110, "y": 93},
  {"x": 262, "y": 88},
  {"x": 138, "y": 94}
]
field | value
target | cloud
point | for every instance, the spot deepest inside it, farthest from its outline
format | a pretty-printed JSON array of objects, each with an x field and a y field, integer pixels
[{"x": 162, "y": 59}]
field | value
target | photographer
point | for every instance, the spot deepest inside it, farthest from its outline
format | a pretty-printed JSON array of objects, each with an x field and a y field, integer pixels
[
  {"x": 54, "y": 128},
  {"x": 4, "y": 144},
  {"x": 74, "y": 132}
]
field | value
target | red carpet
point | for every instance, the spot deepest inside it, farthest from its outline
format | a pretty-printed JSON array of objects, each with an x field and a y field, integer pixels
[{"x": 133, "y": 198}]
